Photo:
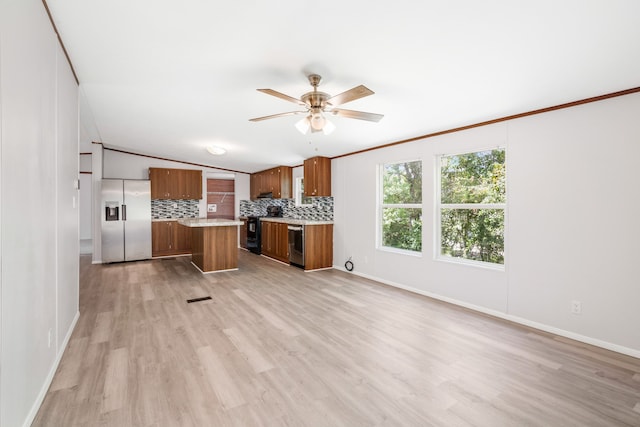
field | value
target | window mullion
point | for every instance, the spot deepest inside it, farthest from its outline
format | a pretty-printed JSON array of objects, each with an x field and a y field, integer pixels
[
  {"x": 402, "y": 205},
  {"x": 473, "y": 205}
]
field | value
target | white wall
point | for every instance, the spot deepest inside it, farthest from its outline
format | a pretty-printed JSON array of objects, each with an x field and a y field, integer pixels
[
  {"x": 571, "y": 230},
  {"x": 39, "y": 214}
]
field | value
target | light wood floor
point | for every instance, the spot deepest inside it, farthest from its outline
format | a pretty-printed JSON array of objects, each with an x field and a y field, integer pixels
[{"x": 279, "y": 347}]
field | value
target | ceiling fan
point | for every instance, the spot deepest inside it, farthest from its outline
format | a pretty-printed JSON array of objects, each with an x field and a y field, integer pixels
[{"x": 317, "y": 104}]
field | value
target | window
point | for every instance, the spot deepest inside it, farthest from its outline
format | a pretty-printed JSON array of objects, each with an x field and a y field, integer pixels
[
  {"x": 300, "y": 199},
  {"x": 400, "y": 210},
  {"x": 472, "y": 200}
]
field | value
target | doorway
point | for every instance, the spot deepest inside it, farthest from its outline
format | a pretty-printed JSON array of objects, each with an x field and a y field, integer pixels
[{"x": 221, "y": 198}]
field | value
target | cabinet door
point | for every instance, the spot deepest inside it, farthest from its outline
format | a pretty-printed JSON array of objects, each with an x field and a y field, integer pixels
[
  {"x": 270, "y": 180},
  {"x": 182, "y": 239},
  {"x": 243, "y": 234},
  {"x": 282, "y": 245},
  {"x": 275, "y": 240},
  {"x": 266, "y": 237},
  {"x": 318, "y": 246},
  {"x": 317, "y": 177},
  {"x": 189, "y": 184},
  {"x": 159, "y": 183},
  {"x": 194, "y": 185},
  {"x": 257, "y": 187},
  {"x": 285, "y": 182},
  {"x": 161, "y": 238},
  {"x": 309, "y": 176},
  {"x": 174, "y": 182}
]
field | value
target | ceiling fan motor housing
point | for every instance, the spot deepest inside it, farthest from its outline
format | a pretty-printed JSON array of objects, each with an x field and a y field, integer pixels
[{"x": 315, "y": 99}]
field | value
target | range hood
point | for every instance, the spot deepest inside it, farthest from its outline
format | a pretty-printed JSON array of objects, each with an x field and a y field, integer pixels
[{"x": 265, "y": 195}]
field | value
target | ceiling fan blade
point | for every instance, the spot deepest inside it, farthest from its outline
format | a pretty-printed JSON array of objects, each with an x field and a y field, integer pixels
[
  {"x": 350, "y": 95},
  {"x": 281, "y": 96},
  {"x": 273, "y": 116},
  {"x": 360, "y": 115}
]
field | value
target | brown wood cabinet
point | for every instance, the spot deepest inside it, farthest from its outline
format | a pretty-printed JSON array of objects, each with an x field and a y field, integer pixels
[
  {"x": 175, "y": 183},
  {"x": 276, "y": 181},
  {"x": 182, "y": 239},
  {"x": 317, "y": 177},
  {"x": 243, "y": 234},
  {"x": 318, "y": 246},
  {"x": 159, "y": 183},
  {"x": 215, "y": 248},
  {"x": 275, "y": 240},
  {"x": 169, "y": 238}
]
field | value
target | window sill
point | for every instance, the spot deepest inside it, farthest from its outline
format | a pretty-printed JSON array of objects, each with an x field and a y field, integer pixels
[
  {"x": 400, "y": 251},
  {"x": 470, "y": 263}
]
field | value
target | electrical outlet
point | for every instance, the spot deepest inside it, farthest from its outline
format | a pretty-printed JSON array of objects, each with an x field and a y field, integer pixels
[{"x": 576, "y": 307}]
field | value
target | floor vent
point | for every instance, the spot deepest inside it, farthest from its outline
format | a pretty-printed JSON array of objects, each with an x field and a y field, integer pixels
[{"x": 189, "y": 301}]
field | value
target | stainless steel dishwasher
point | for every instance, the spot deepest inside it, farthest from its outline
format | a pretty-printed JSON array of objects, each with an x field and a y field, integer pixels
[{"x": 296, "y": 245}]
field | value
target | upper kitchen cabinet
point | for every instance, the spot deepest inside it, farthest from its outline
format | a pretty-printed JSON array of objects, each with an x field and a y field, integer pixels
[
  {"x": 317, "y": 177},
  {"x": 191, "y": 185},
  {"x": 276, "y": 181},
  {"x": 175, "y": 183}
]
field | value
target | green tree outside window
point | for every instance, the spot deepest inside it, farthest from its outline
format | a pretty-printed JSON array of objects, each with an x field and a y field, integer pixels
[
  {"x": 401, "y": 208},
  {"x": 472, "y": 203}
]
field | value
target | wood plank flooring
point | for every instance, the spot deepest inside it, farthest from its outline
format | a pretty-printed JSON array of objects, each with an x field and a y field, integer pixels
[{"x": 279, "y": 347}]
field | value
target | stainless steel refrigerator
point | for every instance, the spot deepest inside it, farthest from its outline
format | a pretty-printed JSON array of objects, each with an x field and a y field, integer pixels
[{"x": 126, "y": 220}]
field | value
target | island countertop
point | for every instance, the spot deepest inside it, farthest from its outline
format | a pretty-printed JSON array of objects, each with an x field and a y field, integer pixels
[{"x": 208, "y": 222}]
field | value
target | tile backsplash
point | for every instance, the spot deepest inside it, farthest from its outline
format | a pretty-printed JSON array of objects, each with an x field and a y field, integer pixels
[
  {"x": 320, "y": 210},
  {"x": 167, "y": 208}
]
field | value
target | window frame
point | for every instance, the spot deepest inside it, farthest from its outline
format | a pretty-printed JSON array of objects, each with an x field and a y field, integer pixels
[
  {"x": 439, "y": 206},
  {"x": 381, "y": 206},
  {"x": 299, "y": 193}
]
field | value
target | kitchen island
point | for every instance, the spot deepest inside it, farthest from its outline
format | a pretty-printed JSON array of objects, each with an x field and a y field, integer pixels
[{"x": 214, "y": 243}]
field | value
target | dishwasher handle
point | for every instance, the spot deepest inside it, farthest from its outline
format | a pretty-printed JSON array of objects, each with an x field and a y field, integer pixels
[{"x": 295, "y": 227}]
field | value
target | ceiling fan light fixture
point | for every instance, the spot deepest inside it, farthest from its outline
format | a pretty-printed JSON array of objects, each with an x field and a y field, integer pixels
[
  {"x": 328, "y": 127},
  {"x": 303, "y": 125},
  {"x": 317, "y": 121}
]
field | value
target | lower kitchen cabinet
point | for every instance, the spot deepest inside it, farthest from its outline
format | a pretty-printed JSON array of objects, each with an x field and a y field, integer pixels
[
  {"x": 243, "y": 234},
  {"x": 183, "y": 239},
  {"x": 318, "y": 246},
  {"x": 169, "y": 238},
  {"x": 275, "y": 240}
]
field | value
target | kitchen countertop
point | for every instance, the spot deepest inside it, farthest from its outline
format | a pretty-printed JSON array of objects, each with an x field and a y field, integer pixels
[
  {"x": 208, "y": 222},
  {"x": 294, "y": 221}
]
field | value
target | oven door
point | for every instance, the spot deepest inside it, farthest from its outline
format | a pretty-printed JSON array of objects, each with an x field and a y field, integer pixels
[{"x": 253, "y": 234}]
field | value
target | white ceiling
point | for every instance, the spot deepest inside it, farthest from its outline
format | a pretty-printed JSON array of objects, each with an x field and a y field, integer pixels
[{"x": 167, "y": 78}]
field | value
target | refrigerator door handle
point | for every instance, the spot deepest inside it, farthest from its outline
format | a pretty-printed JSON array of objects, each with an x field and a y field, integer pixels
[{"x": 124, "y": 212}]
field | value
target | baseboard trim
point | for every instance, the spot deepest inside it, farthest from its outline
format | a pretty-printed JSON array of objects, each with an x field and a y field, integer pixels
[
  {"x": 47, "y": 383},
  {"x": 511, "y": 318}
]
